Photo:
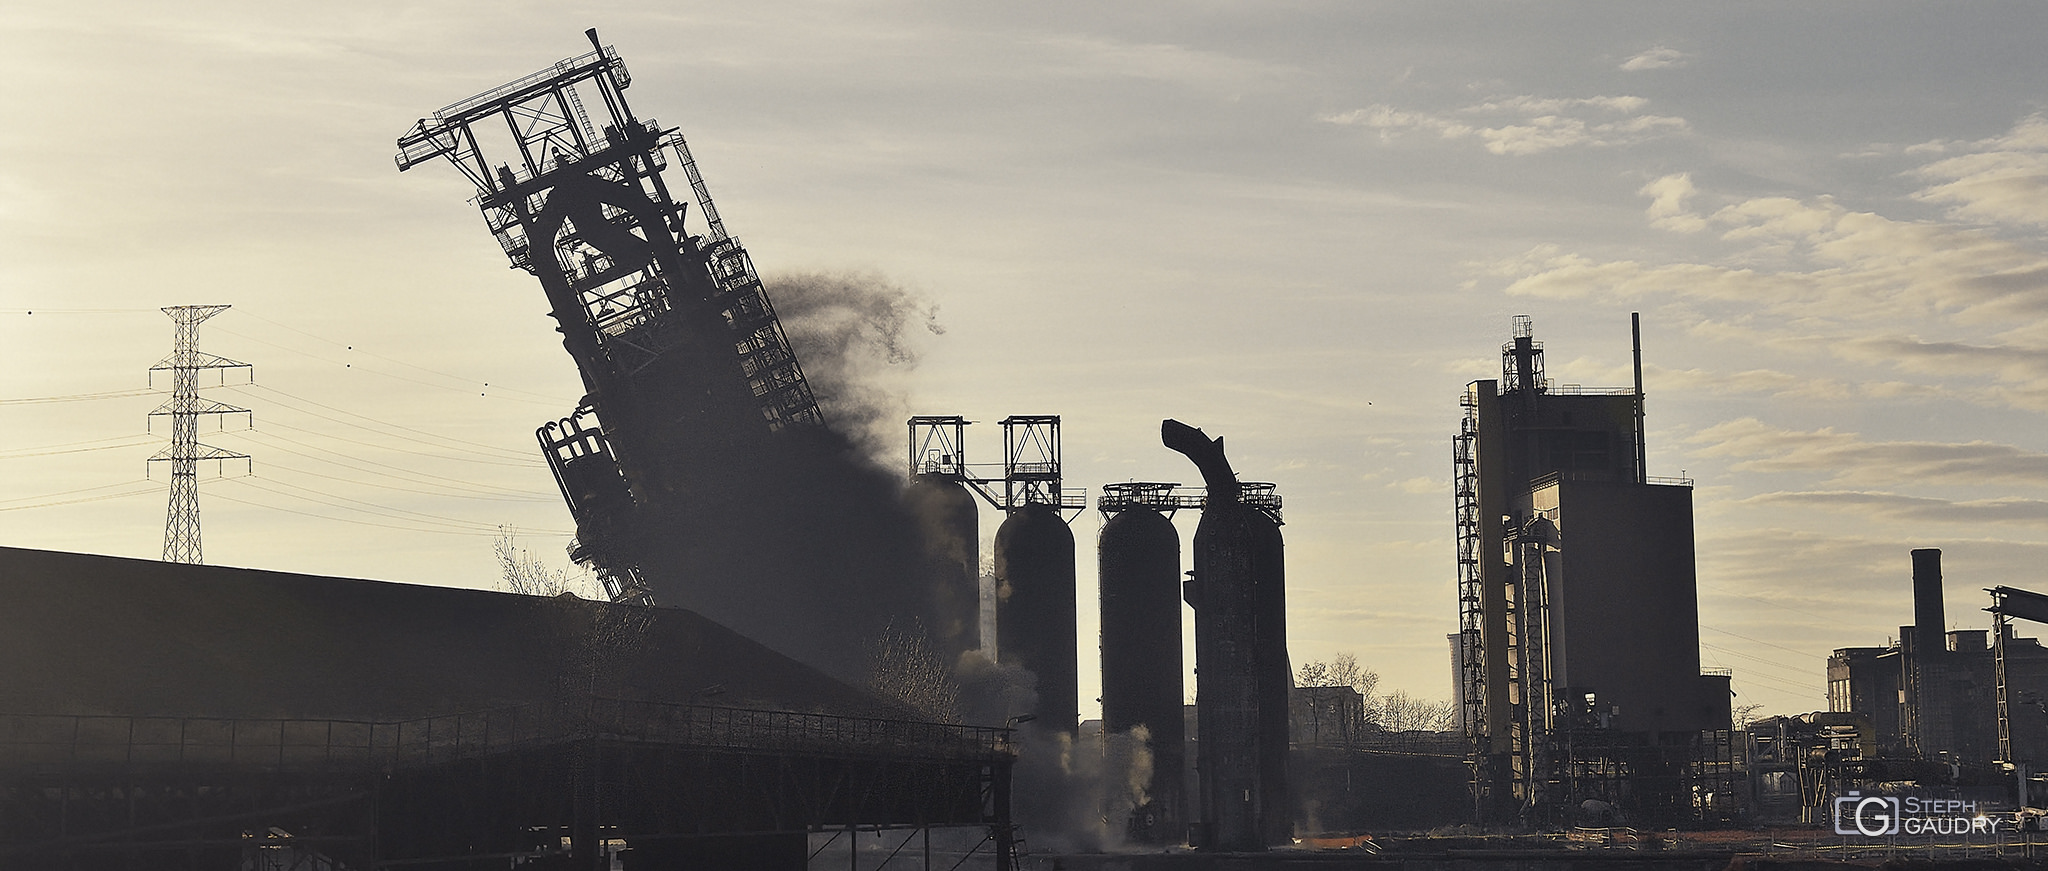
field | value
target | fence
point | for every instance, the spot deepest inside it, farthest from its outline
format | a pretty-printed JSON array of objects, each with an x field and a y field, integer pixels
[{"x": 39, "y": 743}]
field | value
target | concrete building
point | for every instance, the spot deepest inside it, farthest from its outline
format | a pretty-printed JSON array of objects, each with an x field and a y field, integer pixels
[
  {"x": 1932, "y": 694},
  {"x": 1579, "y": 674}
]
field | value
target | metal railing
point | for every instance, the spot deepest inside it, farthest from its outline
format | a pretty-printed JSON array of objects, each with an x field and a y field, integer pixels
[{"x": 51, "y": 743}]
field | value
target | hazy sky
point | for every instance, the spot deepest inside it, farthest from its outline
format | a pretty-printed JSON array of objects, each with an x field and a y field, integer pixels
[{"x": 1302, "y": 226}]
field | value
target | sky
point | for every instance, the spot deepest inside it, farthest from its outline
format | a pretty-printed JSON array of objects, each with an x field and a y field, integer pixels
[{"x": 1302, "y": 226}]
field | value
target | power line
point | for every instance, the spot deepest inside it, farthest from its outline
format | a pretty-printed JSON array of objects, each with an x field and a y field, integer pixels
[
  {"x": 1782, "y": 683},
  {"x": 467, "y": 385},
  {"x": 374, "y": 508},
  {"x": 1803, "y": 673},
  {"x": 444, "y": 492},
  {"x": 1764, "y": 643},
  {"x": 56, "y": 498},
  {"x": 450, "y": 442},
  {"x": 370, "y": 523},
  {"x": 79, "y": 397},
  {"x": 409, "y": 475},
  {"x": 527, "y": 464},
  {"x": 73, "y": 311},
  {"x": 352, "y": 348},
  {"x": 78, "y": 447}
]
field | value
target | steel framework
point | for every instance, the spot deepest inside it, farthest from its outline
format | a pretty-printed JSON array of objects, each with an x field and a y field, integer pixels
[
  {"x": 676, "y": 340},
  {"x": 1471, "y": 615},
  {"x": 181, "y": 519},
  {"x": 1030, "y": 472}
]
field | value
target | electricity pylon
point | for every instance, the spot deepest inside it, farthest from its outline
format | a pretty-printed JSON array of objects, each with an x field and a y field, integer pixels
[{"x": 181, "y": 521}]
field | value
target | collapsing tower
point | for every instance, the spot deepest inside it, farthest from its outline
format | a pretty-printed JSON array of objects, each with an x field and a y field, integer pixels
[
  {"x": 1579, "y": 623},
  {"x": 681, "y": 353}
]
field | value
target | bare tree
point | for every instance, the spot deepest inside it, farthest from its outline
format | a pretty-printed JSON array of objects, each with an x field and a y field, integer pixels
[
  {"x": 525, "y": 574},
  {"x": 1394, "y": 712},
  {"x": 1342, "y": 670},
  {"x": 1400, "y": 712},
  {"x": 591, "y": 638}
]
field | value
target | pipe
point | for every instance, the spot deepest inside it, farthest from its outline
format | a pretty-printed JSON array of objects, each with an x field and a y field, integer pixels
[{"x": 1635, "y": 331}]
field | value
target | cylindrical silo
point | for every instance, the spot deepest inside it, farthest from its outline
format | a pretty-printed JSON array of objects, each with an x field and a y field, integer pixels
[
  {"x": 1035, "y": 611},
  {"x": 1138, "y": 558},
  {"x": 949, "y": 521}
]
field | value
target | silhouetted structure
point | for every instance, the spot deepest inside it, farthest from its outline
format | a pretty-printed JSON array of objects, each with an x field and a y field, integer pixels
[
  {"x": 1138, "y": 559},
  {"x": 1933, "y": 695},
  {"x": 678, "y": 346},
  {"x": 1578, "y": 607},
  {"x": 940, "y": 497},
  {"x": 186, "y": 716},
  {"x": 1035, "y": 607},
  {"x": 181, "y": 518},
  {"x": 697, "y": 465},
  {"x": 1242, "y": 675}
]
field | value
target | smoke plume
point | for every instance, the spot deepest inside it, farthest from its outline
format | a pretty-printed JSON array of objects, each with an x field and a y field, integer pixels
[
  {"x": 798, "y": 538},
  {"x": 851, "y": 330}
]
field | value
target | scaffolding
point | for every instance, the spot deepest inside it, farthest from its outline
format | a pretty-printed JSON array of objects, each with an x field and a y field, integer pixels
[
  {"x": 1030, "y": 473},
  {"x": 1471, "y": 613},
  {"x": 675, "y": 338},
  {"x": 589, "y": 213},
  {"x": 1167, "y": 498}
]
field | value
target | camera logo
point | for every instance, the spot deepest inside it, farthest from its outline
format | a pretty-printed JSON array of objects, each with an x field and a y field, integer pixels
[{"x": 1873, "y": 816}]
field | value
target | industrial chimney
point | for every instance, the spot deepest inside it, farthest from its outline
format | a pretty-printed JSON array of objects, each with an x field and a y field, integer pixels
[{"x": 1928, "y": 623}]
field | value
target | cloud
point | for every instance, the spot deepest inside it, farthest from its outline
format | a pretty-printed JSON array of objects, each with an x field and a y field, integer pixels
[
  {"x": 2001, "y": 180},
  {"x": 1847, "y": 457},
  {"x": 1420, "y": 485},
  {"x": 1839, "y": 266},
  {"x": 1098, "y": 57},
  {"x": 1668, "y": 196},
  {"x": 1919, "y": 509},
  {"x": 1536, "y": 124},
  {"x": 1658, "y": 58},
  {"x": 1533, "y": 105}
]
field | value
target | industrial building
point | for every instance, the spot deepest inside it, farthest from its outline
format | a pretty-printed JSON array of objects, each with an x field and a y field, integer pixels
[
  {"x": 165, "y": 716},
  {"x": 1033, "y": 563},
  {"x": 1933, "y": 693},
  {"x": 720, "y": 709},
  {"x": 1139, "y": 579},
  {"x": 1242, "y": 675},
  {"x": 1950, "y": 712},
  {"x": 724, "y": 704},
  {"x": 1579, "y": 671},
  {"x": 697, "y": 465}
]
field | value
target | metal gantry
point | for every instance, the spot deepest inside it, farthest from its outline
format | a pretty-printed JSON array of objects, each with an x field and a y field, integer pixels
[
  {"x": 1030, "y": 472},
  {"x": 680, "y": 351},
  {"x": 184, "y": 453}
]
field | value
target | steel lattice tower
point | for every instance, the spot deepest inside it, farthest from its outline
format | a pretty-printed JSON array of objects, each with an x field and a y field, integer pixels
[
  {"x": 181, "y": 520},
  {"x": 682, "y": 355}
]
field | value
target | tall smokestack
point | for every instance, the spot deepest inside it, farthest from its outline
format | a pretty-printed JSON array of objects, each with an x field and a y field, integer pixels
[
  {"x": 1928, "y": 623},
  {"x": 1635, "y": 332}
]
